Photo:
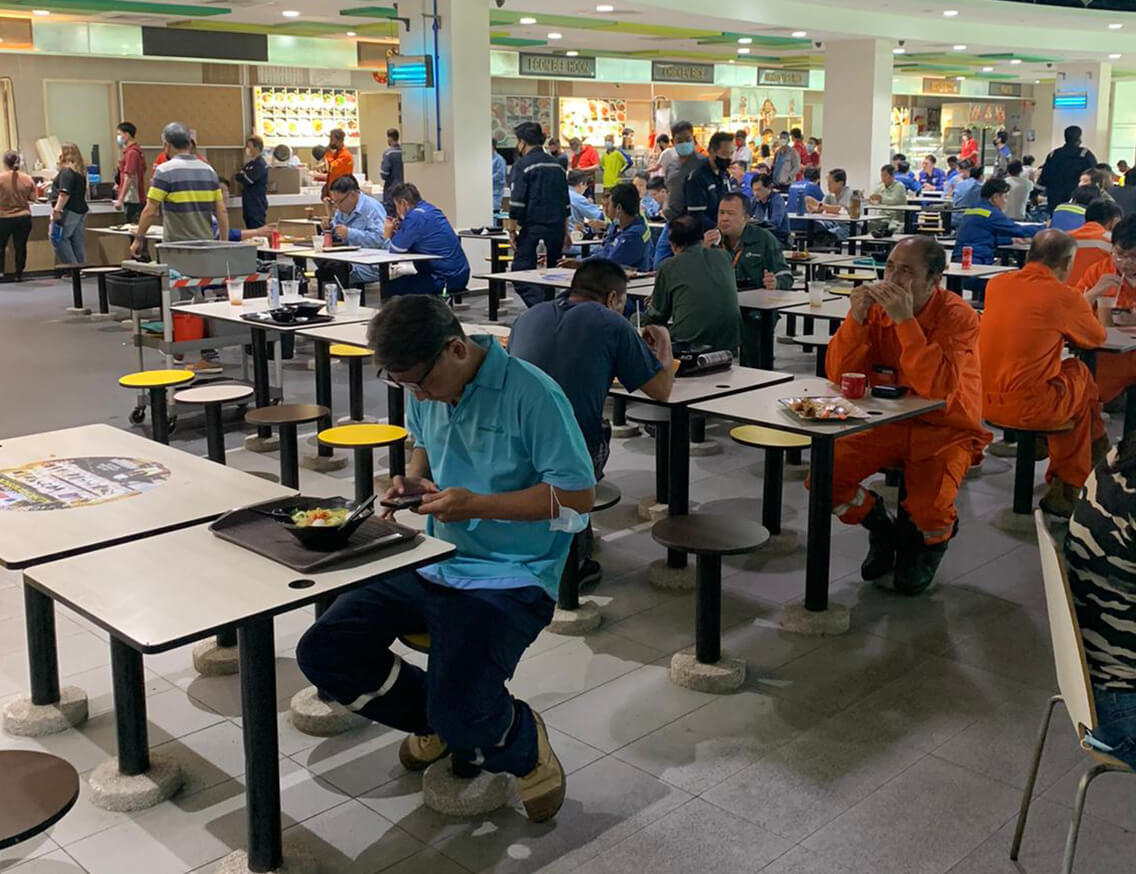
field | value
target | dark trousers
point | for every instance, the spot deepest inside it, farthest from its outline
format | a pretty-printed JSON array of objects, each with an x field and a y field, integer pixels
[
  {"x": 132, "y": 212},
  {"x": 254, "y": 219},
  {"x": 524, "y": 258},
  {"x": 18, "y": 228},
  {"x": 338, "y": 272},
  {"x": 477, "y": 636}
]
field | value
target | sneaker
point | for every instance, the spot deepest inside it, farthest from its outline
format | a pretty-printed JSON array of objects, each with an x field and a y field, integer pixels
[
  {"x": 590, "y": 573},
  {"x": 205, "y": 366},
  {"x": 542, "y": 789},
  {"x": 881, "y": 541},
  {"x": 418, "y": 752},
  {"x": 1060, "y": 499}
]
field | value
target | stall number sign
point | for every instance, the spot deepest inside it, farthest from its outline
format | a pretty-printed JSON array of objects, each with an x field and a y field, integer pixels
[
  {"x": 698, "y": 74},
  {"x": 555, "y": 65},
  {"x": 940, "y": 86},
  {"x": 1005, "y": 89},
  {"x": 63, "y": 483},
  {"x": 791, "y": 78}
]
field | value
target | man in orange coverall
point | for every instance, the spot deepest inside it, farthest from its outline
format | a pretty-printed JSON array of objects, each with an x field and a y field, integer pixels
[
  {"x": 1094, "y": 237},
  {"x": 1029, "y": 315},
  {"x": 929, "y": 337},
  {"x": 1114, "y": 277}
]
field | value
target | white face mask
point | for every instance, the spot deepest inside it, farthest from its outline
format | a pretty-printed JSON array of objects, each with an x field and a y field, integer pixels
[{"x": 563, "y": 518}]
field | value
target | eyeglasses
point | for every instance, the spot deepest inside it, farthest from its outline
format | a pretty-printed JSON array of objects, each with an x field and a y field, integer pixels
[{"x": 386, "y": 376}]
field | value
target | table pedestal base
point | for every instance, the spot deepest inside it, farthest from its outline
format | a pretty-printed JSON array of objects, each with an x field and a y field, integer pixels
[
  {"x": 296, "y": 861},
  {"x": 1015, "y": 523},
  {"x": 324, "y": 463},
  {"x": 25, "y": 719},
  {"x": 115, "y": 791},
  {"x": 449, "y": 795},
  {"x": 674, "y": 579},
  {"x": 312, "y": 715},
  {"x": 623, "y": 431},
  {"x": 254, "y": 443},
  {"x": 583, "y": 619},
  {"x": 724, "y": 675},
  {"x": 78, "y": 311},
  {"x": 651, "y": 509},
  {"x": 786, "y": 541},
  {"x": 706, "y": 447},
  {"x": 817, "y": 623},
  {"x": 212, "y": 660}
]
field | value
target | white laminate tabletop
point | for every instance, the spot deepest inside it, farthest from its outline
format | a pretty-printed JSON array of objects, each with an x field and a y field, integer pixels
[
  {"x": 467, "y": 234},
  {"x": 884, "y": 207},
  {"x": 182, "y": 586},
  {"x": 558, "y": 277},
  {"x": 821, "y": 259},
  {"x": 223, "y": 311},
  {"x": 154, "y": 233},
  {"x": 692, "y": 389},
  {"x": 771, "y": 299},
  {"x": 367, "y": 257},
  {"x": 835, "y": 310},
  {"x": 763, "y": 407},
  {"x": 954, "y": 268},
  {"x": 825, "y": 217},
  {"x": 65, "y": 492},
  {"x": 1119, "y": 340},
  {"x": 355, "y": 334}
]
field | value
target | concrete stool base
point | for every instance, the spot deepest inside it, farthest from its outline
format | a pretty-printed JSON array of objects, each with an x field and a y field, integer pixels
[
  {"x": 579, "y": 621},
  {"x": 78, "y": 311},
  {"x": 103, "y": 317},
  {"x": 24, "y": 719},
  {"x": 623, "y": 431},
  {"x": 795, "y": 472},
  {"x": 296, "y": 861},
  {"x": 211, "y": 660},
  {"x": 650, "y": 510},
  {"x": 835, "y": 620},
  {"x": 784, "y": 543},
  {"x": 1002, "y": 449},
  {"x": 725, "y": 675},
  {"x": 672, "y": 579},
  {"x": 323, "y": 464},
  {"x": 706, "y": 447},
  {"x": 113, "y": 791},
  {"x": 253, "y": 443},
  {"x": 448, "y": 795},
  {"x": 347, "y": 420},
  {"x": 312, "y": 715},
  {"x": 1016, "y": 523},
  {"x": 783, "y": 340}
]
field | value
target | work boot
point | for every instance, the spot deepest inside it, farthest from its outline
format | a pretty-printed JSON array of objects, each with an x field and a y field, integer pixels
[
  {"x": 1100, "y": 449},
  {"x": 1117, "y": 404},
  {"x": 1060, "y": 499},
  {"x": 881, "y": 541},
  {"x": 418, "y": 752},
  {"x": 916, "y": 561},
  {"x": 542, "y": 788}
]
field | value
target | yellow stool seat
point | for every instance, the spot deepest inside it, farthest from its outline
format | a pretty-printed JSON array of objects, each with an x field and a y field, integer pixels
[
  {"x": 765, "y": 438},
  {"x": 343, "y": 350},
  {"x": 858, "y": 276},
  {"x": 842, "y": 290},
  {"x": 418, "y": 642},
  {"x": 155, "y": 378},
  {"x": 357, "y": 436}
]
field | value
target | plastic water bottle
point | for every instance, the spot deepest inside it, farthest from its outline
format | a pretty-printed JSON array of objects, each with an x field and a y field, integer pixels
[
  {"x": 541, "y": 256},
  {"x": 273, "y": 292}
]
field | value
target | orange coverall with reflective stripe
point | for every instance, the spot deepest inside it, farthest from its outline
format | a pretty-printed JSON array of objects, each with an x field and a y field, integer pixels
[
  {"x": 1029, "y": 316},
  {"x": 1115, "y": 371},
  {"x": 936, "y": 356},
  {"x": 1094, "y": 244},
  {"x": 340, "y": 163}
]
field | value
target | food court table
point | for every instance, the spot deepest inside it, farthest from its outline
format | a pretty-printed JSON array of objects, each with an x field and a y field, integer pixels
[
  {"x": 955, "y": 274},
  {"x": 362, "y": 257},
  {"x": 205, "y": 584},
  {"x": 1118, "y": 342},
  {"x": 763, "y": 407},
  {"x": 687, "y": 391},
  {"x": 766, "y": 303},
  {"x": 223, "y": 311},
  {"x": 555, "y": 278},
  {"x": 813, "y": 217},
  {"x": 63, "y": 493}
]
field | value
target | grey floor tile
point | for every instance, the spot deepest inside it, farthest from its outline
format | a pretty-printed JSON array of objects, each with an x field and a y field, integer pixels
[
  {"x": 51, "y": 863},
  {"x": 355, "y": 761},
  {"x": 1110, "y": 796},
  {"x": 696, "y": 837},
  {"x": 1017, "y": 645},
  {"x": 208, "y": 757},
  {"x": 353, "y": 839},
  {"x": 922, "y": 822},
  {"x": 429, "y": 861},
  {"x": 800, "y": 861},
  {"x": 22, "y": 853},
  {"x": 1015, "y": 577}
]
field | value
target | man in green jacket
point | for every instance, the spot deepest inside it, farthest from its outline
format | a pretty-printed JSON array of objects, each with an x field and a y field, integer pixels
[
  {"x": 696, "y": 292},
  {"x": 755, "y": 253}
]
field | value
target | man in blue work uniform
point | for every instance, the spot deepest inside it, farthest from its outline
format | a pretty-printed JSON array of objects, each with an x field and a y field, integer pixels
[
  {"x": 627, "y": 239},
  {"x": 708, "y": 181},
  {"x": 254, "y": 184},
  {"x": 931, "y": 178},
  {"x": 1070, "y": 216},
  {"x": 499, "y": 172},
  {"x": 798, "y": 191},
  {"x": 903, "y": 174},
  {"x": 967, "y": 188},
  {"x": 422, "y": 228},
  {"x": 986, "y": 227},
  {"x": 582, "y": 209},
  {"x": 359, "y": 220},
  {"x": 538, "y": 206},
  {"x": 768, "y": 207},
  {"x": 505, "y": 477},
  {"x": 390, "y": 168}
]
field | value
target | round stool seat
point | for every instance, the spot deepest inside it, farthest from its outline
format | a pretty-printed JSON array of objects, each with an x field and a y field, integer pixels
[
  {"x": 768, "y": 438},
  {"x": 842, "y": 290},
  {"x": 95, "y": 271},
  {"x": 225, "y": 393},
  {"x": 286, "y": 414},
  {"x": 344, "y": 350},
  {"x": 362, "y": 435},
  {"x": 607, "y": 495},
  {"x": 858, "y": 277},
  {"x": 709, "y": 534},
  {"x": 417, "y": 642},
  {"x": 1060, "y": 429},
  {"x": 155, "y": 378},
  {"x": 39, "y": 789},
  {"x": 811, "y": 339},
  {"x": 649, "y": 414}
]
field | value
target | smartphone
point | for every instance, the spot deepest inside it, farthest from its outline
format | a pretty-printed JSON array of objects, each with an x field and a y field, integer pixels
[
  {"x": 889, "y": 391},
  {"x": 402, "y": 502}
]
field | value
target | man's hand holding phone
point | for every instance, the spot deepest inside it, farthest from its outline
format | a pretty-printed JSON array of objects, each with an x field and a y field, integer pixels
[{"x": 406, "y": 493}]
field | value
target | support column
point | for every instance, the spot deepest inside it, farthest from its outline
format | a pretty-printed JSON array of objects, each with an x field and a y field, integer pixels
[
  {"x": 857, "y": 108},
  {"x": 1095, "y": 81}
]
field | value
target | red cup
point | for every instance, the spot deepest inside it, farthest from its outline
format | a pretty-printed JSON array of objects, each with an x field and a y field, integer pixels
[
  {"x": 328, "y": 240},
  {"x": 967, "y": 257},
  {"x": 853, "y": 385}
]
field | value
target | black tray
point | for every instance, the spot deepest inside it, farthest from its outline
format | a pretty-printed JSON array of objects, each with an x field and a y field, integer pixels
[
  {"x": 299, "y": 322},
  {"x": 265, "y": 536}
]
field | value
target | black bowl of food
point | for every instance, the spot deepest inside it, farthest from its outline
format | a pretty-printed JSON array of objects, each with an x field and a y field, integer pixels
[
  {"x": 480, "y": 230},
  {"x": 306, "y": 309},
  {"x": 321, "y": 523},
  {"x": 282, "y": 315}
]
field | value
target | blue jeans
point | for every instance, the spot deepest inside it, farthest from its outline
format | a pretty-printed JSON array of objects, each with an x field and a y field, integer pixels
[
  {"x": 477, "y": 636},
  {"x": 72, "y": 249},
  {"x": 1116, "y": 723}
]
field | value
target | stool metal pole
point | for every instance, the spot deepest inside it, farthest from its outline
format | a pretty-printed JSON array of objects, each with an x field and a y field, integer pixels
[
  {"x": 568, "y": 595},
  {"x": 214, "y": 435},
  {"x": 678, "y": 474},
  {"x": 355, "y": 388},
  {"x": 1023, "y": 473},
  {"x": 364, "y": 473},
  {"x": 289, "y": 456},
  {"x": 708, "y": 608},
  {"x": 771, "y": 490},
  {"x": 104, "y": 304},
  {"x": 76, "y": 289},
  {"x": 159, "y": 418},
  {"x": 261, "y": 392},
  {"x": 396, "y": 415}
]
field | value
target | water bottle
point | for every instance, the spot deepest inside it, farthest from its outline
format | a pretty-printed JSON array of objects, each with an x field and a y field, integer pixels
[
  {"x": 331, "y": 298},
  {"x": 273, "y": 292},
  {"x": 541, "y": 256}
]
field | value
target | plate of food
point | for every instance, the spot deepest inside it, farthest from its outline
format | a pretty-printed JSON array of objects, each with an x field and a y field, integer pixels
[
  {"x": 798, "y": 256},
  {"x": 821, "y": 409}
]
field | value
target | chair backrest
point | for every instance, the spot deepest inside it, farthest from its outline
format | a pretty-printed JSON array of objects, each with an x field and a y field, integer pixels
[{"x": 1068, "y": 649}]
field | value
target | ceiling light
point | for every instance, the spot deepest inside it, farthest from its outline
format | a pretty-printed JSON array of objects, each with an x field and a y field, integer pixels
[
  {"x": 528, "y": 19},
  {"x": 959, "y": 48},
  {"x": 1114, "y": 56},
  {"x": 556, "y": 36},
  {"x": 605, "y": 7},
  {"x": 571, "y": 53},
  {"x": 960, "y": 78},
  {"x": 1015, "y": 60},
  {"x": 899, "y": 51},
  {"x": 987, "y": 69},
  {"x": 732, "y": 61},
  {"x": 40, "y": 12},
  {"x": 1036, "y": 81},
  {"x": 950, "y": 13},
  {"x": 745, "y": 40},
  {"x": 352, "y": 33},
  {"x": 290, "y": 13},
  {"x": 1115, "y": 26},
  {"x": 743, "y": 51},
  {"x": 800, "y": 34}
]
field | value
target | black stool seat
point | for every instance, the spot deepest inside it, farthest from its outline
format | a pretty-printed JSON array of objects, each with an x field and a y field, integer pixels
[
  {"x": 709, "y": 534},
  {"x": 1025, "y": 453},
  {"x": 607, "y": 495},
  {"x": 1018, "y": 429},
  {"x": 811, "y": 339},
  {"x": 649, "y": 414},
  {"x": 39, "y": 789},
  {"x": 286, "y": 414}
]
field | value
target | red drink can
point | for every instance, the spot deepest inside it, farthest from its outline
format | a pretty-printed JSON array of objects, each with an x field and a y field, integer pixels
[
  {"x": 328, "y": 240},
  {"x": 274, "y": 239},
  {"x": 967, "y": 257},
  {"x": 853, "y": 385}
]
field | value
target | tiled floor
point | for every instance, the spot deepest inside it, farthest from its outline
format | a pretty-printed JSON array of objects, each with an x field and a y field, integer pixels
[{"x": 899, "y": 747}]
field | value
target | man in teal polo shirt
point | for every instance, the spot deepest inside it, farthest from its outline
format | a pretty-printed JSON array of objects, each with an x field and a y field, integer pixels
[{"x": 505, "y": 476}]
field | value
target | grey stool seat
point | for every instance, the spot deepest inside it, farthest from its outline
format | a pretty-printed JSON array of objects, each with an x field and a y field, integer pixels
[
  {"x": 649, "y": 414},
  {"x": 1025, "y": 458},
  {"x": 607, "y": 495},
  {"x": 287, "y": 417},
  {"x": 709, "y": 534}
]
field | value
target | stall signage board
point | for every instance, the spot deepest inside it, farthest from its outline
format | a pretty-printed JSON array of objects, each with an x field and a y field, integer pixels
[
  {"x": 697, "y": 74},
  {"x": 1005, "y": 89},
  {"x": 556, "y": 65},
  {"x": 940, "y": 86},
  {"x": 789, "y": 78}
]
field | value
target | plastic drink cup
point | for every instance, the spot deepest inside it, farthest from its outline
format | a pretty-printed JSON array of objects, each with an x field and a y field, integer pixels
[
  {"x": 351, "y": 298},
  {"x": 817, "y": 292},
  {"x": 317, "y": 242},
  {"x": 236, "y": 289},
  {"x": 1105, "y": 306},
  {"x": 290, "y": 288},
  {"x": 853, "y": 385}
]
